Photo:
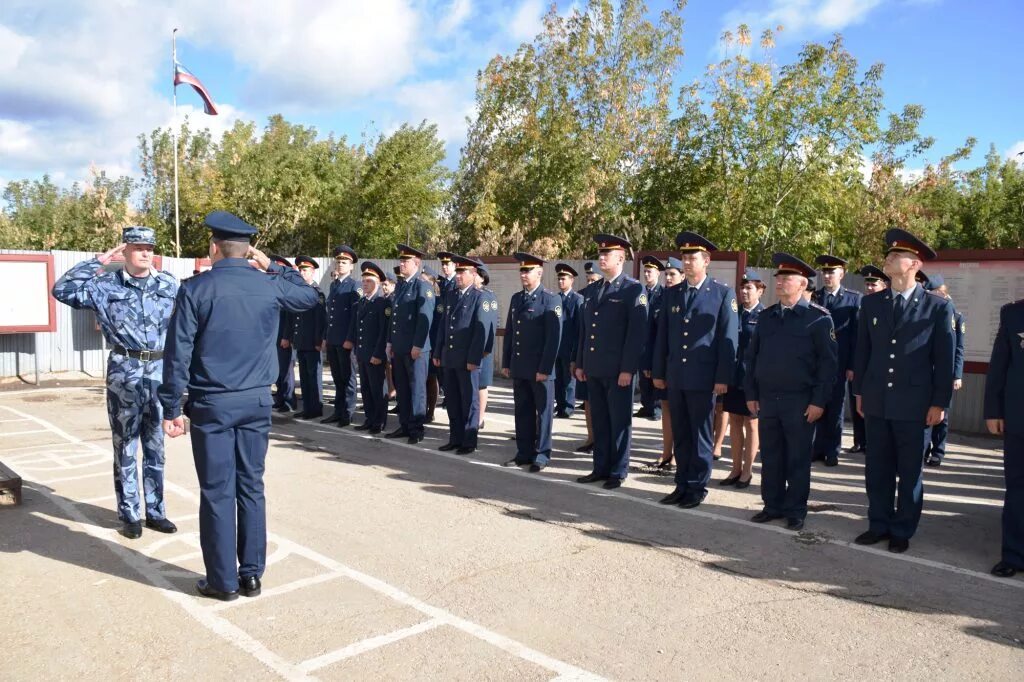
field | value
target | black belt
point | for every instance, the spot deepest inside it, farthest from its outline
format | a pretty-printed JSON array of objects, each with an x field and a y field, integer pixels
[{"x": 144, "y": 355}]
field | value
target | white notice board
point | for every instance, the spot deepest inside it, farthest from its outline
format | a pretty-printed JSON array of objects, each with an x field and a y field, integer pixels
[
  {"x": 26, "y": 304},
  {"x": 979, "y": 289}
]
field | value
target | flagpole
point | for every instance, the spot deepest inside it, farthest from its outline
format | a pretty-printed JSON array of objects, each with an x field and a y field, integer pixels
[{"x": 174, "y": 131}]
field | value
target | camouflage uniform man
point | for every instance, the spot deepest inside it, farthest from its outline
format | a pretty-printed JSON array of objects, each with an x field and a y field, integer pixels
[{"x": 133, "y": 307}]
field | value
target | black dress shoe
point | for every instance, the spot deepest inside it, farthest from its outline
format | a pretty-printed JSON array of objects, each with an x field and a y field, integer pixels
[
  {"x": 898, "y": 545},
  {"x": 870, "y": 537},
  {"x": 641, "y": 413},
  {"x": 465, "y": 451},
  {"x": 282, "y": 408},
  {"x": 933, "y": 461},
  {"x": 536, "y": 468},
  {"x": 818, "y": 457},
  {"x": 161, "y": 525},
  {"x": 740, "y": 484},
  {"x": 674, "y": 497},
  {"x": 764, "y": 517},
  {"x": 249, "y": 586},
  {"x": 591, "y": 477},
  {"x": 560, "y": 415},
  {"x": 132, "y": 530},
  {"x": 586, "y": 447},
  {"x": 512, "y": 463},
  {"x": 375, "y": 430},
  {"x": 729, "y": 480},
  {"x": 330, "y": 420},
  {"x": 612, "y": 483},
  {"x": 447, "y": 447},
  {"x": 398, "y": 433},
  {"x": 794, "y": 524},
  {"x": 204, "y": 589},
  {"x": 414, "y": 439},
  {"x": 831, "y": 461},
  {"x": 363, "y": 427},
  {"x": 857, "y": 447},
  {"x": 691, "y": 502},
  {"x": 1004, "y": 570},
  {"x": 342, "y": 423}
]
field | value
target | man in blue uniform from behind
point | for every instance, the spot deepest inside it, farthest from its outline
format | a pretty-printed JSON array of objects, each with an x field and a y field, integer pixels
[
  {"x": 368, "y": 336},
  {"x": 571, "y": 301},
  {"x": 411, "y": 314},
  {"x": 695, "y": 359},
  {"x": 903, "y": 381},
  {"x": 612, "y": 332},
  {"x": 284, "y": 397},
  {"x": 133, "y": 307},
  {"x": 790, "y": 367},
  {"x": 532, "y": 331},
  {"x": 308, "y": 342},
  {"x": 843, "y": 305},
  {"x": 459, "y": 353},
  {"x": 220, "y": 346},
  {"x": 340, "y": 308},
  {"x": 1004, "y": 409}
]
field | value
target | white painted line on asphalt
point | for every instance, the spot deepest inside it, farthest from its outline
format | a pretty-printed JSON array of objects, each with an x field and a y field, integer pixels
[
  {"x": 68, "y": 479},
  {"x": 22, "y": 433},
  {"x": 16, "y": 419},
  {"x": 365, "y": 645},
  {"x": 764, "y": 527},
  {"x": 280, "y": 589}
]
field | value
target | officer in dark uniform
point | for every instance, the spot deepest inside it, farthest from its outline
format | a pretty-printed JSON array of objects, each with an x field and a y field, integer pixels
[
  {"x": 592, "y": 287},
  {"x": 483, "y": 278},
  {"x": 571, "y": 301},
  {"x": 650, "y": 397},
  {"x": 790, "y": 369},
  {"x": 533, "y": 329},
  {"x": 445, "y": 282},
  {"x": 459, "y": 353},
  {"x": 341, "y": 304},
  {"x": 612, "y": 333},
  {"x": 1004, "y": 405},
  {"x": 695, "y": 359},
  {"x": 220, "y": 346},
  {"x": 593, "y": 276},
  {"x": 935, "y": 436},
  {"x": 284, "y": 398},
  {"x": 308, "y": 341},
  {"x": 843, "y": 305},
  {"x": 368, "y": 336},
  {"x": 903, "y": 381},
  {"x": 411, "y": 314},
  {"x": 874, "y": 280}
]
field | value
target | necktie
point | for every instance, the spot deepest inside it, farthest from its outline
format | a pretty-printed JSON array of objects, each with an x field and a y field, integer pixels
[
  {"x": 688, "y": 299},
  {"x": 782, "y": 314},
  {"x": 897, "y": 309},
  {"x": 828, "y": 300}
]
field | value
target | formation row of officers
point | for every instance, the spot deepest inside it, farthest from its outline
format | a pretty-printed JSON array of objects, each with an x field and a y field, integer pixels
[{"x": 781, "y": 372}]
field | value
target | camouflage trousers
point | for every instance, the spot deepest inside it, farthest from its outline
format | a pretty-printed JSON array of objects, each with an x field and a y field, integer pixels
[{"x": 136, "y": 415}]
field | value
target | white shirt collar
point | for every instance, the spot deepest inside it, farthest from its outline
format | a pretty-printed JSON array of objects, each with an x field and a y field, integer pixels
[{"x": 699, "y": 284}]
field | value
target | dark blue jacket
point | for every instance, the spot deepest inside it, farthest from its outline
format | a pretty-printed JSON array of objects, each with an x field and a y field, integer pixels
[
  {"x": 696, "y": 348},
  {"x": 571, "y": 304},
  {"x": 309, "y": 326},
  {"x": 1004, "y": 383},
  {"x": 795, "y": 353},
  {"x": 368, "y": 331},
  {"x": 653, "y": 315},
  {"x": 844, "y": 310},
  {"x": 613, "y": 329},
  {"x": 585, "y": 293},
  {"x": 747, "y": 327},
  {"x": 222, "y": 330},
  {"x": 411, "y": 314},
  {"x": 902, "y": 370},
  {"x": 443, "y": 287},
  {"x": 462, "y": 336},
  {"x": 532, "y": 332},
  {"x": 341, "y": 304},
  {"x": 958, "y": 354},
  {"x": 285, "y": 324},
  {"x": 491, "y": 319}
]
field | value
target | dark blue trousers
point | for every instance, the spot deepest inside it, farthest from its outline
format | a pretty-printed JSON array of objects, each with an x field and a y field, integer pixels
[
  {"x": 229, "y": 445},
  {"x": 692, "y": 415},
  {"x": 785, "y": 438},
  {"x": 373, "y": 384},
  {"x": 462, "y": 401},
  {"x": 611, "y": 414},
  {"x": 649, "y": 398},
  {"x": 892, "y": 475},
  {"x": 858, "y": 421},
  {"x": 285, "y": 377},
  {"x": 411, "y": 389},
  {"x": 311, "y": 382},
  {"x": 565, "y": 388},
  {"x": 343, "y": 372},
  {"x": 533, "y": 414},
  {"x": 828, "y": 430},
  {"x": 1013, "y": 502}
]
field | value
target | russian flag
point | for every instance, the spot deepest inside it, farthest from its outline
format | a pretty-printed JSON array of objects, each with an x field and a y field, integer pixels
[{"x": 183, "y": 75}]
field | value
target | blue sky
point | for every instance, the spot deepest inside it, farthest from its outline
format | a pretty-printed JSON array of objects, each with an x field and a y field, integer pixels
[{"x": 79, "y": 80}]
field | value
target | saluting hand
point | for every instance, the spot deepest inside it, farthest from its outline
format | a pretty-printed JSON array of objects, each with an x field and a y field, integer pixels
[
  {"x": 109, "y": 254},
  {"x": 174, "y": 427},
  {"x": 261, "y": 258},
  {"x": 813, "y": 413}
]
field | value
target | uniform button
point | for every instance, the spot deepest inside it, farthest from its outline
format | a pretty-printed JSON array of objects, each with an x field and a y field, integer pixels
[
  {"x": 517, "y": 353},
  {"x": 686, "y": 320},
  {"x": 686, "y": 333},
  {"x": 591, "y": 348},
  {"x": 595, "y": 313},
  {"x": 894, "y": 342},
  {"x": 517, "y": 332},
  {"x": 594, "y": 324},
  {"x": 592, "y": 336},
  {"x": 890, "y": 384},
  {"x": 685, "y": 347},
  {"x": 892, "y": 355},
  {"x": 684, "y": 359},
  {"x": 451, "y": 346},
  {"x": 890, "y": 370}
]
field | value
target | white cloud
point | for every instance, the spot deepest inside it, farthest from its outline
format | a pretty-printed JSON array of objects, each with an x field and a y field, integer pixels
[
  {"x": 527, "y": 21},
  {"x": 458, "y": 12},
  {"x": 1016, "y": 152},
  {"x": 444, "y": 102},
  {"x": 801, "y": 17}
]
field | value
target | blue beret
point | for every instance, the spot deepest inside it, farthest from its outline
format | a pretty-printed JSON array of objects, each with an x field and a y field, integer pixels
[
  {"x": 406, "y": 251},
  {"x": 372, "y": 270},
  {"x": 229, "y": 227},
  {"x": 565, "y": 269},
  {"x": 528, "y": 260},
  {"x": 788, "y": 264},
  {"x": 138, "y": 235},
  {"x": 429, "y": 271},
  {"x": 345, "y": 250},
  {"x": 674, "y": 263},
  {"x": 653, "y": 262},
  {"x": 689, "y": 242},
  {"x": 828, "y": 262},
  {"x": 750, "y": 275},
  {"x": 901, "y": 240},
  {"x": 306, "y": 260}
]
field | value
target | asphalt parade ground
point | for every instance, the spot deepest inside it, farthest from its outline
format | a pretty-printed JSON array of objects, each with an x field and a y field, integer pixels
[{"x": 396, "y": 561}]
